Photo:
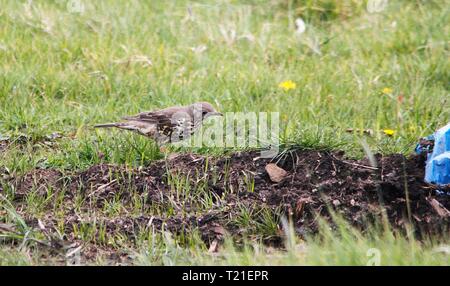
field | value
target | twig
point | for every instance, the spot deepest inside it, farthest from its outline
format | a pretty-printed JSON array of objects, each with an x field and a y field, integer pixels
[
  {"x": 102, "y": 187},
  {"x": 356, "y": 165}
]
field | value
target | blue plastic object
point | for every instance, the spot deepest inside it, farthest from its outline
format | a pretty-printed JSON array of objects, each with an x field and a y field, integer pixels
[{"x": 437, "y": 170}]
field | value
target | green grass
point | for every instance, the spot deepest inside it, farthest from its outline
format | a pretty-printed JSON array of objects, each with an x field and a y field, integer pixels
[
  {"x": 345, "y": 247},
  {"x": 349, "y": 247},
  {"x": 62, "y": 72}
]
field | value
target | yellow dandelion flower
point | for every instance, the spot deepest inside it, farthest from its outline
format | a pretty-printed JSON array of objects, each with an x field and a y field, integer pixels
[
  {"x": 387, "y": 90},
  {"x": 287, "y": 85},
  {"x": 389, "y": 132}
]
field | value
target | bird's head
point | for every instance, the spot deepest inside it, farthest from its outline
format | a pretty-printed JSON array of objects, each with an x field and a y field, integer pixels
[{"x": 204, "y": 109}]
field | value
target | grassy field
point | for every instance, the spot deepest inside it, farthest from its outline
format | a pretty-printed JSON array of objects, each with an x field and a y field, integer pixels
[{"x": 65, "y": 66}]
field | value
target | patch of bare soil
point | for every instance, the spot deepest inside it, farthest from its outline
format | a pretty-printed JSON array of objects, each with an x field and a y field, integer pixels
[
  {"x": 39, "y": 180},
  {"x": 301, "y": 185}
]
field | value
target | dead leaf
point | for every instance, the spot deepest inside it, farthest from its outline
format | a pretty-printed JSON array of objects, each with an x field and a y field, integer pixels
[{"x": 276, "y": 173}]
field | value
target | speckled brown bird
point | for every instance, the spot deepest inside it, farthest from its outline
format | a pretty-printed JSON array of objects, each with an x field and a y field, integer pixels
[{"x": 167, "y": 125}]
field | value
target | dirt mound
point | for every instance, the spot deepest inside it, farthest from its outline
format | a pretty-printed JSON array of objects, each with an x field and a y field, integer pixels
[{"x": 217, "y": 195}]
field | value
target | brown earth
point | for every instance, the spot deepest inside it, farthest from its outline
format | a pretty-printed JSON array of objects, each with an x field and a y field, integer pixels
[{"x": 313, "y": 183}]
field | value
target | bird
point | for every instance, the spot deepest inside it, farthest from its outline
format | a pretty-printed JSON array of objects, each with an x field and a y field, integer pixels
[{"x": 168, "y": 125}]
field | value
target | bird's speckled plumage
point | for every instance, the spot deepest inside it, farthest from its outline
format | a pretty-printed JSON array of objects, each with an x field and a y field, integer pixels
[{"x": 167, "y": 125}]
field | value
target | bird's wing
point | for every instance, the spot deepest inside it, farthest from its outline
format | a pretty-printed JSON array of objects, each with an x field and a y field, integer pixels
[{"x": 164, "y": 123}]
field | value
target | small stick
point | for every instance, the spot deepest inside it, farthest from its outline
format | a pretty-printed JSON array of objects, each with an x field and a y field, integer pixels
[{"x": 355, "y": 164}]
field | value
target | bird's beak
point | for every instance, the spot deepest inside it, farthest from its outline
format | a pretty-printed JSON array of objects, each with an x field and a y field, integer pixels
[{"x": 214, "y": 114}]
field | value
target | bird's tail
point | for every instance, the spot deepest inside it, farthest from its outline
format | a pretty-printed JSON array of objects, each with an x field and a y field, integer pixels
[{"x": 106, "y": 125}]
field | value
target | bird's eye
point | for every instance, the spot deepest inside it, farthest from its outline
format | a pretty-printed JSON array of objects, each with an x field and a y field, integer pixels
[{"x": 204, "y": 112}]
